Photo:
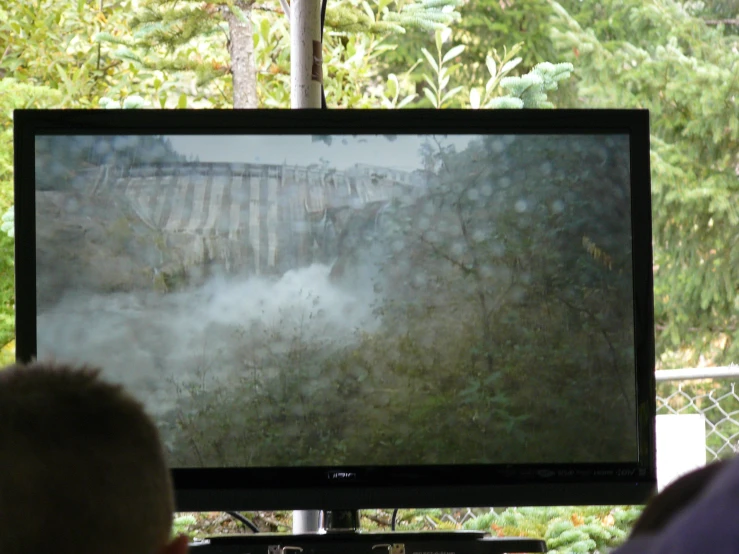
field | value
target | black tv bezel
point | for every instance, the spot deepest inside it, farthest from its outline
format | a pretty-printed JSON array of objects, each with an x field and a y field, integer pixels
[{"x": 396, "y": 486}]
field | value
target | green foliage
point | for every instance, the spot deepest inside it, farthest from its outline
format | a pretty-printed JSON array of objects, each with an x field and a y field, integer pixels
[
  {"x": 378, "y": 17},
  {"x": 132, "y": 102},
  {"x": 498, "y": 68},
  {"x": 656, "y": 55},
  {"x": 50, "y": 61},
  {"x": 272, "y": 52},
  {"x": 566, "y": 529},
  {"x": 426, "y": 15},
  {"x": 352, "y": 79},
  {"x": 50, "y": 44},
  {"x": 13, "y": 94},
  {"x": 191, "y": 38},
  {"x": 390, "y": 95},
  {"x": 527, "y": 91},
  {"x": 436, "y": 91},
  {"x": 723, "y": 13},
  {"x": 485, "y": 26},
  {"x": 533, "y": 87},
  {"x": 349, "y": 65},
  {"x": 182, "y": 525},
  {"x": 489, "y": 25},
  {"x": 8, "y": 225},
  {"x": 176, "y": 37}
]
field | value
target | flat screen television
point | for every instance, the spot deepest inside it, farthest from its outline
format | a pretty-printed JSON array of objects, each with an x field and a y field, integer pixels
[{"x": 354, "y": 309}]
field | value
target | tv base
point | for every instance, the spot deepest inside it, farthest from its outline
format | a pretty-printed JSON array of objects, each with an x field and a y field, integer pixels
[{"x": 404, "y": 542}]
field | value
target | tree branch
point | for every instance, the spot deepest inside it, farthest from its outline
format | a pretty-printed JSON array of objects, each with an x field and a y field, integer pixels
[
  {"x": 721, "y": 21},
  {"x": 265, "y": 8}
]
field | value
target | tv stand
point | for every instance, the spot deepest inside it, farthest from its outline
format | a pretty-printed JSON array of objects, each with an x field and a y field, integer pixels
[{"x": 339, "y": 533}]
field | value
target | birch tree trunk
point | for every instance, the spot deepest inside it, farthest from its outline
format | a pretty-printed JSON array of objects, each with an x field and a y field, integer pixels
[
  {"x": 243, "y": 65},
  {"x": 306, "y": 57}
]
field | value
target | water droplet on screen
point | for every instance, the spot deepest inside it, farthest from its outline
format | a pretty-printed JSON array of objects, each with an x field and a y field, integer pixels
[{"x": 458, "y": 248}]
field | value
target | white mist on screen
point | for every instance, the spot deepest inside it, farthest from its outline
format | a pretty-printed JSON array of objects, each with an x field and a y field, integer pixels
[{"x": 149, "y": 342}]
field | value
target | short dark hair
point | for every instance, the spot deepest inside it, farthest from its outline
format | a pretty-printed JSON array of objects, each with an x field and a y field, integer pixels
[
  {"x": 674, "y": 498},
  {"x": 82, "y": 468}
]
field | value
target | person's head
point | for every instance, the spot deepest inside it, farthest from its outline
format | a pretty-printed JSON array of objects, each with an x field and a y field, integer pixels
[
  {"x": 674, "y": 498},
  {"x": 82, "y": 469}
]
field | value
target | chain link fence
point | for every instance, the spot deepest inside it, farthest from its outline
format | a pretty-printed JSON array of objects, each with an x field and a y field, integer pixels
[{"x": 710, "y": 392}]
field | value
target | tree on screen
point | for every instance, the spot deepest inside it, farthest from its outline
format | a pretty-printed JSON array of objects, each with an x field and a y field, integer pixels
[{"x": 500, "y": 335}]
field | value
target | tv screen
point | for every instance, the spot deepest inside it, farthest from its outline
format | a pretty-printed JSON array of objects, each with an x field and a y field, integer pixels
[{"x": 354, "y": 309}]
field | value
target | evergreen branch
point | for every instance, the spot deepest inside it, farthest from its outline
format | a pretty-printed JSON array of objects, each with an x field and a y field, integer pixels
[
  {"x": 125, "y": 54},
  {"x": 342, "y": 17},
  {"x": 431, "y": 16},
  {"x": 145, "y": 29},
  {"x": 180, "y": 65},
  {"x": 386, "y": 26},
  {"x": 206, "y": 74},
  {"x": 418, "y": 22},
  {"x": 346, "y": 20},
  {"x": 426, "y": 4},
  {"x": 110, "y": 38}
]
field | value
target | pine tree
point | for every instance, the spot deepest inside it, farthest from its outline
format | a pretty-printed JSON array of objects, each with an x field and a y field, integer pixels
[
  {"x": 655, "y": 54},
  {"x": 566, "y": 529},
  {"x": 189, "y": 35}
]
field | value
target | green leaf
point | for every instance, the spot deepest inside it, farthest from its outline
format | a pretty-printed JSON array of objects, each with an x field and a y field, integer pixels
[
  {"x": 508, "y": 66},
  {"x": 450, "y": 94},
  {"x": 431, "y": 83},
  {"x": 182, "y": 101},
  {"x": 430, "y": 59},
  {"x": 264, "y": 28},
  {"x": 382, "y": 4},
  {"x": 407, "y": 100},
  {"x": 490, "y": 63},
  {"x": 393, "y": 86},
  {"x": 368, "y": 10},
  {"x": 491, "y": 84},
  {"x": 453, "y": 53},
  {"x": 475, "y": 98},
  {"x": 431, "y": 96},
  {"x": 65, "y": 79}
]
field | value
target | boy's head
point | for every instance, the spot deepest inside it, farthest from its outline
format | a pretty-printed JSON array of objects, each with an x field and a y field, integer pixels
[
  {"x": 678, "y": 495},
  {"x": 82, "y": 469}
]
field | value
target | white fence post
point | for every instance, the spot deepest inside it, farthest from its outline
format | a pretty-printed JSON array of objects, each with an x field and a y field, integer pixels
[{"x": 681, "y": 446}]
